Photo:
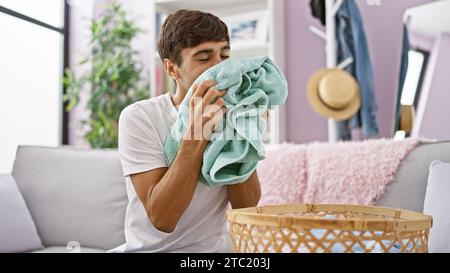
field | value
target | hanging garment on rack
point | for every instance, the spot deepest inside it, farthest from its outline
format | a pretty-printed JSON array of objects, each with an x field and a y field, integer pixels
[
  {"x": 352, "y": 43},
  {"x": 318, "y": 10},
  {"x": 403, "y": 70}
]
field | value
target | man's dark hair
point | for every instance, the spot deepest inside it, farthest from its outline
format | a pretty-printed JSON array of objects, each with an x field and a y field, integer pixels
[{"x": 189, "y": 28}]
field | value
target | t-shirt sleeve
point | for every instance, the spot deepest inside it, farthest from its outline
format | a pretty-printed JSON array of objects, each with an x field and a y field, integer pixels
[{"x": 139, "y": 147}]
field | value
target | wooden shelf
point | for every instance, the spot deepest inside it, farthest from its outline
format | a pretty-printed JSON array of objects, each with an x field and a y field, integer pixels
[{"x": 250, "y": 51}]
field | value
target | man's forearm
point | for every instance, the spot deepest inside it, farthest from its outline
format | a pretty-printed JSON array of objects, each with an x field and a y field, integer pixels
[
  {"x": 246, "y": 194},
  {"x": 172, "y": 195}
]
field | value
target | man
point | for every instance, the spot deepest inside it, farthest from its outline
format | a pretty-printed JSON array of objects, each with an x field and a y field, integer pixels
[{"x": 169, "y": 210}]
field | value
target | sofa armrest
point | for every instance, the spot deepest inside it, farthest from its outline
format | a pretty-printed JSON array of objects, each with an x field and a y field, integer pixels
[{"x": 408, "y": 189}]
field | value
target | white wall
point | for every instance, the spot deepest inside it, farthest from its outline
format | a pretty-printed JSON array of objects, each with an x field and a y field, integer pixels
[{"x": 81, "y": 13}]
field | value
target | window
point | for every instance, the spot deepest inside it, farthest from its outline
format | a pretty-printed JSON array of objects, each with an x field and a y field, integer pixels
[
  {"x": 31, "y": 67},
  {"x": 46, "y": 11}
]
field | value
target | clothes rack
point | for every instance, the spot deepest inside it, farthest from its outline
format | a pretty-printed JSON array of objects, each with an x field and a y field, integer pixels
[{"x": 329, "y": 35}]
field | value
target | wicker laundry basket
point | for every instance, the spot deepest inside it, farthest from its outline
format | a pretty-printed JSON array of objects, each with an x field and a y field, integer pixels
[{"x": 328, "y": 229}]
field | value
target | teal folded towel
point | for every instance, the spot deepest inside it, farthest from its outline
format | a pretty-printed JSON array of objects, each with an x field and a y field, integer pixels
[{"x": 253, "y": 86}]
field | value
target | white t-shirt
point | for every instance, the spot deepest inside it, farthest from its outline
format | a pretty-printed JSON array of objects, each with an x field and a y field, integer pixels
[{"x": 143, "y": 128}]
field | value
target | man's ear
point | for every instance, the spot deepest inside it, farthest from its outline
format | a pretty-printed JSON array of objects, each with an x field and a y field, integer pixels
[{"x": 171, "y": 69}]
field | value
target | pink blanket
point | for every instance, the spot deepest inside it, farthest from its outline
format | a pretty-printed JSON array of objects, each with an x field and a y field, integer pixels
[{"x": 323, "y": 173}]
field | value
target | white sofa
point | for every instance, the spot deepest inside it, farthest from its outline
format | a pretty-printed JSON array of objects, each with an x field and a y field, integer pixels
[{"x": 78, "y": 195}]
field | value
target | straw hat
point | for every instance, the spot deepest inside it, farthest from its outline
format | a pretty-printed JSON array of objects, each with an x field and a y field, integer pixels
[{"x": 334, "y": 93}]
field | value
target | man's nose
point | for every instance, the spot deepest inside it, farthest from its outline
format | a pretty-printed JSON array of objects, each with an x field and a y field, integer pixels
[{"x": 217, "y": 60}]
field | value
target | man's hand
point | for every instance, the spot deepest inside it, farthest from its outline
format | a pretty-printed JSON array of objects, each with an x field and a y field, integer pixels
[
  {"x": 266, "y": 116},
  {"x": 206, "y": 110}
]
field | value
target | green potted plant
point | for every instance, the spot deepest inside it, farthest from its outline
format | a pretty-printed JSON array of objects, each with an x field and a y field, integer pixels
[{"x": 114, "y": 78}]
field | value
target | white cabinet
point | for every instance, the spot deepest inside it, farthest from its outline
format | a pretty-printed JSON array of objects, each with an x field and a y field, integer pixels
[{"x": 273, "y": 47}]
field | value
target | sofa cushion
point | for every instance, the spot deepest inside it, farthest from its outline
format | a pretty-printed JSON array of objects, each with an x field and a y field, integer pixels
[
  {"x": 17, "y": 230},
  {"x": 65, "y": 249},
  {"x": 437, "y": 205},
  {"x": 73, "y": 194},
  {"x": 410, "y": 183}
]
